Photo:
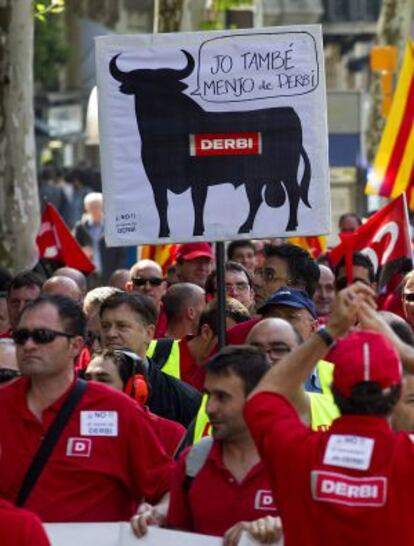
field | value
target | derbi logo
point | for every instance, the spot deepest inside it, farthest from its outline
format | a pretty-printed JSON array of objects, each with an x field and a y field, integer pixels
[
  {"x": 264, "y": 500},
  {"x": 206, "y": 144},
  {"x": 79, "y": 447},
  {"x": 342, "y": 489}
]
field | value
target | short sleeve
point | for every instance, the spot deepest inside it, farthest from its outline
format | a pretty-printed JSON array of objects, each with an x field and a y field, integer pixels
[
  {"x": 179, "y": 511},
  {"x": 275, "y": 426},
  {"x": 150, "y": 468}
]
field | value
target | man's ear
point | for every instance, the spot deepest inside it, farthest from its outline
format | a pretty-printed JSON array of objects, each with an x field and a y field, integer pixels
[
  {"x": 150, "y": 330},
  {"x": 77, "y": 343},
  {"x": 314, "y": 326},
  {"x": 129, "y": 286}
]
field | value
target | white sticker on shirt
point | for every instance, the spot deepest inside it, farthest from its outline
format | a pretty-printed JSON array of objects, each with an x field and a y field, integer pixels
[
  {"x": 349, "y": 451},
  {"x": 99, "y": 423}
]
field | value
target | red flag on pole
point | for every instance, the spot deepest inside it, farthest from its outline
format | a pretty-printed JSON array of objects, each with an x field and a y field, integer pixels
[
  {"x": 55, "y": 242},
  {"x": 385, "y": 238}
]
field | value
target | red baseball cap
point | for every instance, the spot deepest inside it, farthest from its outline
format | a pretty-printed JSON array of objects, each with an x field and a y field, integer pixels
[
  {"x": 364, "y": 356},
  {"x": 191, "y": 251}
]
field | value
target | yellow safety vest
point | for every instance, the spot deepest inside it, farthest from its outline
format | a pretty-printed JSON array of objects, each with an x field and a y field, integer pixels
[
  {"x": 322, "y": 412},
  {"x": 325, "y": 374},
  {"x": 172, "y": 364}
]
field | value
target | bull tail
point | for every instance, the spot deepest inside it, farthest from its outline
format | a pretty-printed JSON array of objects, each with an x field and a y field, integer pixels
[{"x": 304, "y": 184}]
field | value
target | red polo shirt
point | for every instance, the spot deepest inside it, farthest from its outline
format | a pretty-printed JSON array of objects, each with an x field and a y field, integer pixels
[
  {"x": 168, "y": 432},
  {"x": 357, "y": 489},
  {"x": 190, "y": 371},
  {"x": 20, "y": 527},
  {"x": 106, "y": 460},
  {"x": 215, "y": 500}
]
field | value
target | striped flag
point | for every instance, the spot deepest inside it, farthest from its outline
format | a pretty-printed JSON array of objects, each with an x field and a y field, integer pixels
[
  {"x": 164, "y": 255},
  {"x": 314, "y": 245},
  {"x": 392, "y": 171}
]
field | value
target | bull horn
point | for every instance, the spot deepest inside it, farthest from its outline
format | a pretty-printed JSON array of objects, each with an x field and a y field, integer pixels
[
  {"x": 182, "y": 74},
  {"x": 115, "y": 72}
]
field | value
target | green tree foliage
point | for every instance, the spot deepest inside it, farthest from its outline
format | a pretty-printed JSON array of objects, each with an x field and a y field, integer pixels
[{"x": 50, "y": 46}]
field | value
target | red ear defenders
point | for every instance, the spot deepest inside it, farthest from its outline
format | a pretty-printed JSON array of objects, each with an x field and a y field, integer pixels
[
  {"x": 137, "y": 388},
  {"x": 132, "y": 372}
]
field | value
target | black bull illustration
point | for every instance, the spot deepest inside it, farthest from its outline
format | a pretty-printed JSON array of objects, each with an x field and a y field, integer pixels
[{"x": 167, "y": 118}]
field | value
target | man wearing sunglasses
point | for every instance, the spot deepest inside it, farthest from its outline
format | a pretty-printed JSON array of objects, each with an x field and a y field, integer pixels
[
  {"x": 146, "y": 277},
  {"x": 407, "y": 295},
  {"x": 106, "y": 458}
]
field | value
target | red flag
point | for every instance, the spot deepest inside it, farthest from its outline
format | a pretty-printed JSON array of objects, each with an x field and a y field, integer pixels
[
  {"x": 385, "y": 238},
  {"x": 55, "y": 242}
]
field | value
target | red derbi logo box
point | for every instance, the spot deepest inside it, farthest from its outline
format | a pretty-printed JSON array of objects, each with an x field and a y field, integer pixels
[{"x": 205, "y": 144}]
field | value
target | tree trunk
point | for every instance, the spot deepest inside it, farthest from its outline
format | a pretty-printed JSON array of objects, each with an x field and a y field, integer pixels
[
  {"x": 170, "y": 13},
  {"x": 19, "y": 204}
]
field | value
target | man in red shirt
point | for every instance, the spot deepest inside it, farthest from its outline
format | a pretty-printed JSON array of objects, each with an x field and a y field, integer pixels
[
  {"x": 220, "y": 486},
  {"x": 107, "y": 458},
  {"x": 355, "y": 483}
]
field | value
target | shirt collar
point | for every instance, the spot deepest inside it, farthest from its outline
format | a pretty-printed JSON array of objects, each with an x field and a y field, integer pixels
[{"x": 354, "y": 424}]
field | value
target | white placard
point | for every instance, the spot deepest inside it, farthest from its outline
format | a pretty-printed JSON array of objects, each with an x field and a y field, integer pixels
[
  {"x": 120, "y": 534},
  {"x": 213, "y": 135},
  {"x": 349, "y": 451}
]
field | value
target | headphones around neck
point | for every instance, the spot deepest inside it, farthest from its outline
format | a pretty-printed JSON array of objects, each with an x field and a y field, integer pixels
[
  {"x": 137, "y": 388},
  {"x": 132, "y": 373}
]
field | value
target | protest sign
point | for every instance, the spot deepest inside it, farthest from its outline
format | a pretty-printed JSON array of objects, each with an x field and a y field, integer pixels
[
  {"x": 120, "y": 534},
  {"x": 213, "y": 136}
]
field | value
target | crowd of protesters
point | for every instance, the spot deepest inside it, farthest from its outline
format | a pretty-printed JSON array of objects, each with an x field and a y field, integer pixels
[{"x": 299, "y": 427}]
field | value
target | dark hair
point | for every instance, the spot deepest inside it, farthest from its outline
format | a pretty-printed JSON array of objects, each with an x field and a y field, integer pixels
[
  {"x": 70, "y": 312},
  {"x": 234, "y": 310},
  {"x": 349, "y": 215},
  {"x": 229, "y": 267},
  {"x": 127, "y": 363},
  {"x": 367, "y": 398},
  {"x": 5, "y": 279},
  {"x": 245, "y": 361},
  {"x": 302, "y": 269},
  {"x": 138, "y": 303},
  {"x": 403, "y": 331},
  {"x": 25, "y": 279},
  {"x": 178, "y": 298},
  {"x": 357, "y": 259},
  {"x": 235, "y": 245}
]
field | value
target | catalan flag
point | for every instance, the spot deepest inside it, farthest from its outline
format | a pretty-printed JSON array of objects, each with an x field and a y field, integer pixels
[
  {"x": 392, "y": 171},
  {"x": 164, "y": 255},
  {"x": 314, "y": 245}
]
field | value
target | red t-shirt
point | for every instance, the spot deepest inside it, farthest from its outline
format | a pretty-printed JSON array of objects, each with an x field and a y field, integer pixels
[
  {"x": 20, "y": 527},
  {"x": 168, "y": 432},
  {"x": 365, "y": 498},
  {"x": 215, "y": 501},
  {"x": 162, "y": 323},
  {"x": 106, "y": 460},
  {"x": 190, "y": 371}
]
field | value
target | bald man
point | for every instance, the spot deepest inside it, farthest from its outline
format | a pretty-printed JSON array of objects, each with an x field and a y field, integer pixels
[
  {"x": 324, "y": 296},
  {"x": 75, "y": 275},
  {"x": 146, "y": 277},
  {"x": 277, "y": 337},
  {"x": 64, "y": 286}
]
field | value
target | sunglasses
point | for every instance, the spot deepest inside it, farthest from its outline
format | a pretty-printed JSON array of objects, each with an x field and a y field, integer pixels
[
  {"x": 409, "y": 296},
  {"x": 141, "y": 281},
  {"x": 39, "y": 335}
]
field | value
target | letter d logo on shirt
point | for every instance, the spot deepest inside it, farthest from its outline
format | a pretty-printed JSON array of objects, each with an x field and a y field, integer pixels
[
  {"x": 264, "y": 500},
  {"x": 79, "y": 447}
]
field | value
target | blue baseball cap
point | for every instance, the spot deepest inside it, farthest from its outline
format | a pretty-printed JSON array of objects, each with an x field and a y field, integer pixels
[{"x": 291, "y": 297}]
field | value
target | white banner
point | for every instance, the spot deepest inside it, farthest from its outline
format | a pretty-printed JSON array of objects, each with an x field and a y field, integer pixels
[
  {"x": 213, "y": 136},
  {"x": 120, "y": 534}
]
